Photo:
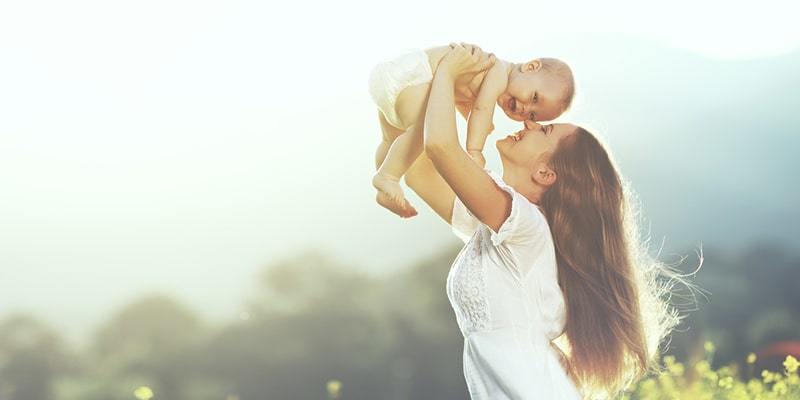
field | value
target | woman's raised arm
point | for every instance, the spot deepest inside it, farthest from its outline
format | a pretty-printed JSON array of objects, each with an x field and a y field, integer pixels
[{"x": 476, "y": 189}]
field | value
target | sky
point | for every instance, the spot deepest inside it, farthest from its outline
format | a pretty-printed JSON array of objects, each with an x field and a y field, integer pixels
[{"x": 181, "y": 146}]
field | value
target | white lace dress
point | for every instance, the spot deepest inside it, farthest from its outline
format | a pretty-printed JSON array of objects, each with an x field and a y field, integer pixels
[{"x": 504, "y": 290}]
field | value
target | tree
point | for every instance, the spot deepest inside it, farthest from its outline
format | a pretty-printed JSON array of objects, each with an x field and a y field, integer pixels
[
  {"x": 31, "y": 356},
  {"x": 147, "y": 342}
]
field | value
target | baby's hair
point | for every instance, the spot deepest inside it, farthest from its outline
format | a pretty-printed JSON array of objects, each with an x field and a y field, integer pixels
[{"x": 563, "y": 72}]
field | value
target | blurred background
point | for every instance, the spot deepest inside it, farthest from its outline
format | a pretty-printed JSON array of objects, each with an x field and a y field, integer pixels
[{"x": 186, "y": 209}]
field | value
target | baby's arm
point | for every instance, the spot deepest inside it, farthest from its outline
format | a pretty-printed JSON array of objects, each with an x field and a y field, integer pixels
[{"x": 479, "y": 125}]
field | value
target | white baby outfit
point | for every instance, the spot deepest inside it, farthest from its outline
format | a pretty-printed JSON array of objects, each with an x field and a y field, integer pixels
[
  {"x": 389, "y": 78},
  {"x": 503, "y": 287}
]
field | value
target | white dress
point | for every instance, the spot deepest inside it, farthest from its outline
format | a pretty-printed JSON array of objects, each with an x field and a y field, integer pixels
[{"x": 504, "y": 290}]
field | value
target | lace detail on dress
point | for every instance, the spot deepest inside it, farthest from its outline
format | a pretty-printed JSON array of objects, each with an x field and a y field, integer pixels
[{"x": 470, "y": 289}]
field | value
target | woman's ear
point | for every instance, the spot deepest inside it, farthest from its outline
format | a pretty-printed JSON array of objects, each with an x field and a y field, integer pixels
[{"x": 544, "y": 175}]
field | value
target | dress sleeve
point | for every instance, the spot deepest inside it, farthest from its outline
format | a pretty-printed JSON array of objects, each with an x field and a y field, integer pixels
[
  {"x": 525, "y": 222},
  {"x": 463, "y": 223}
]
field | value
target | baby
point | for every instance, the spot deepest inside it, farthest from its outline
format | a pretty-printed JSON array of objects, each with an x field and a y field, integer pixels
[{"x": 538, "y": 90}]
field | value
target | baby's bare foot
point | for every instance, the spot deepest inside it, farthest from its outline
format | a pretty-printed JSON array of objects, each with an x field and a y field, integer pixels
[
  {"x": 404, "y": 211},
  {"x": 394, "y": 199},
  {"x": 389, "y": 185}
]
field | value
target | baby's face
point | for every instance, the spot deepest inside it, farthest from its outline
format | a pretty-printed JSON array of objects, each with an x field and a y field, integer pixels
[{"x": 533, "y": 95}]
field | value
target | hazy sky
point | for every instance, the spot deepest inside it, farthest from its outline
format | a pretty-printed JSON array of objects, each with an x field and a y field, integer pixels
[{"x": 183, "y": 145}]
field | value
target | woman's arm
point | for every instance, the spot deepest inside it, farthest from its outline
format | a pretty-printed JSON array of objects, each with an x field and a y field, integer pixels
[{"x": 476, "y": 189}]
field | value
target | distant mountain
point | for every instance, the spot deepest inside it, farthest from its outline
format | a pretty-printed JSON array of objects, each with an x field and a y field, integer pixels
[{"x": 709, "y": 145}]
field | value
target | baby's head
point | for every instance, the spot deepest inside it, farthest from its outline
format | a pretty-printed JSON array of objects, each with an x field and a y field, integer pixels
[{"x": 538, "y": 90}]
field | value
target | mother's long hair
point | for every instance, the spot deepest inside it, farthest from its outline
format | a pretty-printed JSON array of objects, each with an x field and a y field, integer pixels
[{"x": 616, "y": 298}]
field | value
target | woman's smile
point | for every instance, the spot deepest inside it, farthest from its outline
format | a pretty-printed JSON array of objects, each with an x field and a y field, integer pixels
[{"x": 516, "y": 136}]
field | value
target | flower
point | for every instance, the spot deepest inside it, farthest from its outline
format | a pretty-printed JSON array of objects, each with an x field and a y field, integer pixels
[
  {"x": 767, "y": 376},
  {"x": 751, "y": 358},
  {"x": 780, "y": 388},
  {"x": 143, "y": 393},
  {"x": 709, "y": 346},
  {"x": 333, "y": 387},
  {"x": 791, "y": 364},
  {"x": 676, "y": 369},
  {"x": 712, "y": 376},
  {"x": 726, "y": 382},
  {"x": 755, "y": 386},
  {"x": 702, "y": 366}
]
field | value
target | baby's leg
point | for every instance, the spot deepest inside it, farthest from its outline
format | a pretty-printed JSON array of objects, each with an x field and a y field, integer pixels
[
  {"x": 388, "y": 135},
  {"x": 390, "y": 194},
  {"x": 380, "y": 154}
]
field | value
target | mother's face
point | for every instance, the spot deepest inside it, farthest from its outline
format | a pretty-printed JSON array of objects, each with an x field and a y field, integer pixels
[{"x": 526, "y": 147}]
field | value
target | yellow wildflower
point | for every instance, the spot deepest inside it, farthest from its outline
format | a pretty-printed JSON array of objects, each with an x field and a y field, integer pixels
[
  {"x": 780, "y": 388},
  {"x": 726, "y": 382},
  {"x": 676, "y": 369},
  {"x": 739, "y": 393},
  {"x": 711, "y": 375},
  {"x": 333, "y": 387},
  {"x": 709, "y": 346},
  {"x": 728, "y": 370},
  {"x": 702, "y": 366},
  {"x": 791, "y": 364},
  {"x": 143, "y": 393},
  {"x": 755, "y": 386},
  {"x": 770, "y": 376},
  {"x": 751, "y": 358},
  {"x": 648, "y": 389}
]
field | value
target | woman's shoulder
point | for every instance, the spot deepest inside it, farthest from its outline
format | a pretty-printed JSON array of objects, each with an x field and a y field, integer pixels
[
  {"x": 521, "y": 207},
  {"x": 498, "y": 180}
]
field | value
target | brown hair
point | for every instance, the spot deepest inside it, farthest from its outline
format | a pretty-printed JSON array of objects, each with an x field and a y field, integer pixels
[
  {"x": 563, "y": 72},
  {"x": 617, "y": 314}
]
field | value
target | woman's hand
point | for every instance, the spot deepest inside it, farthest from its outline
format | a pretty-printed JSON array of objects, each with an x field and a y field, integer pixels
[{"x": 465, "y": 59}]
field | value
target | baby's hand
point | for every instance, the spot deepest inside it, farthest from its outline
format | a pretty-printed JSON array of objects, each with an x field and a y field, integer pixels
[
  {"x": 466, "y": 59},
  {"x": 477, "y": 156}
]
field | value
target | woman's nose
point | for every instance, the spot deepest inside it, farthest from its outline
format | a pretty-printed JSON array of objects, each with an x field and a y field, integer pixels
[{"x": 529, "y": 124}]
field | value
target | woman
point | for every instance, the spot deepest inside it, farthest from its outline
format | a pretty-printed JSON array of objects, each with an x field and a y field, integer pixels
[{"x": 549, "y": 254}]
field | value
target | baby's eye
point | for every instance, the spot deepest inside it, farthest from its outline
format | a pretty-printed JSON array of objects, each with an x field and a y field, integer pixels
[
  {"x": 535, "y": 97},
  {"x": 532, "y": 117}
]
